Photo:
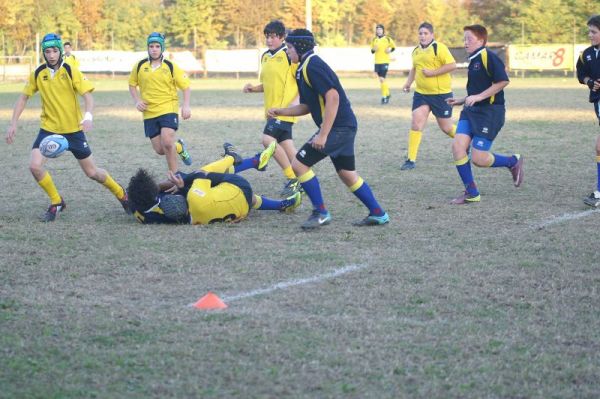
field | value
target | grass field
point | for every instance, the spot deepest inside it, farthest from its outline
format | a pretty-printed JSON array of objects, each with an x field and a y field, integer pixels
[{"x": 498, "y": 299}]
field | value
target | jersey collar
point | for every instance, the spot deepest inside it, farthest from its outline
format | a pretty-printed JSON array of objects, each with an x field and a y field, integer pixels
[
  {"x": 280, "y": 48},
  {"x": 426, "y": 47},
  {"x": 476, "y": 53}
]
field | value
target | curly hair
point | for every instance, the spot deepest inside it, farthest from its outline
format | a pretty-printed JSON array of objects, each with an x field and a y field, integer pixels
[{"x": 142, "y": 191}]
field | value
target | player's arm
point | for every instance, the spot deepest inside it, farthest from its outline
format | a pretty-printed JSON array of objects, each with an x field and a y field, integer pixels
[
  {"x": 487, "y": 93},
  {"x": 186, "y": 111},
  {"x": 447, "y": 68},
  {"x": 296, "y": 110},
  {"x": 17, "y": 111},
  {"x": 140, "y": 105},
  {"x": 332, "y": 103},
  {"x": 86, "y": 123},
  {"x": 409, "y": 80},
  {"x": 249, "y": 88}
]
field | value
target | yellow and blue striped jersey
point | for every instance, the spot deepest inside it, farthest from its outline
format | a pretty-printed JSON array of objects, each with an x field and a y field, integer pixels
[
  {"x": 434, "y": 56},
  {"x": 61, "y": 112},
  {"x": 277, "y": 75},
  {"x": 221, "y": 203},
  {"x": 378, "y": 47},
  {"x": 71, "y": 60},
  {"x": 158, "y": 86}
]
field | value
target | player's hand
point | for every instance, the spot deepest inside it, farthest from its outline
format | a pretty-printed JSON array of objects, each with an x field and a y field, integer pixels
[
  {"x": 273, "y": 113},
  {"x": 141, "y": 106},
  {"x": 186, "y": 112},
  {"x": 595, "y": 86},
  {"x": 406, "y": 89},
  {"x": 248, "y": 88},
  {"x": 388, "y": 50},
  {"x": 455, "y": 101},
  {"x": 176, "y": 180},
  {"x": 86, "y": 125},
  {"x": 428, "y": 73},
  {"x": 318, "y": 141},
  {"x": 10, "y": 133},
  {"x": 375, "y": 48},
  {"x": 471, "y": 100}
]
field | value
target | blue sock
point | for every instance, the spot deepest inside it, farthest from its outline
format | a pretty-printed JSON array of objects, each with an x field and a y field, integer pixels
[
  {"x": 598, "y": 166},
  {"x": 466, "y": 175},
  {"x": 504, "y": 161},
  {"x": 312, "y": 188},
  {"x": 269, "y": 204},
  {"x": 363, "y": 192},
  {"x": 248, "y": 163}
]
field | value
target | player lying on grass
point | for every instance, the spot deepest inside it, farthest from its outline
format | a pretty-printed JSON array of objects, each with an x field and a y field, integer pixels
[
  {"x": 588, "y": 73},
  {"x": 482, "y": 116},
  {"x": 59, "y": 85},
  {"x": 208, "y": 196}
]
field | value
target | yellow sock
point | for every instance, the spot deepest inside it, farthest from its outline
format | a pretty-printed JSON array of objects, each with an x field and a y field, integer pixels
[
  {"x": 289, "y": 173},
  {"x": 257, "y": 201},
  {"x": 114, "y": 187},
  {"x": 48, "y": 186},
  {"x": 414, "y": 140},
  {"x": 220, "y": 166},
  {"x": 386, "y": 89},
  {"x": 452, "y": 132},
  {"x": 383, "y": 89}
]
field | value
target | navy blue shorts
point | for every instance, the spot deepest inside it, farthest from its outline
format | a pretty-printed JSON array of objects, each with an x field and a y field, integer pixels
[
  {"x": 78, "y": 144},
  {"x": 279, "y": 130},
  {"x": 152, "y": 126},
  {"x": 381, "y": 70},
  {"x": 482, "y": 122},
  {"x": 339, "y": 147},
  {"x": 436, "y": 102}
]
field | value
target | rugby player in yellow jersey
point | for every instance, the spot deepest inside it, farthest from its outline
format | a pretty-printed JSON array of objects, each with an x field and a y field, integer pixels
[
  {"x": 381, "y": 47},
  {"x": 278, "y": 85},
  {"x": 432, "y": 64},
  {"x": 205, "y": 197},
  {"x": 59, "y": 84},
  {"x": 158, "y": 80},
  {"x": 70, "y": 58}
]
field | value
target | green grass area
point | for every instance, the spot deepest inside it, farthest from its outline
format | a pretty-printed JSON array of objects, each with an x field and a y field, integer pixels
[{"x": 453, "y": 302}]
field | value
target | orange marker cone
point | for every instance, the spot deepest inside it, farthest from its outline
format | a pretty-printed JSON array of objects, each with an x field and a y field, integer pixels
[{"x": 210, "y": 301}]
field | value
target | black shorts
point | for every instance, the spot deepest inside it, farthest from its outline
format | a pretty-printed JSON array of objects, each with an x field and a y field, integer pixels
[
  {"x": 78, "y": 144},
  {"x": 483, "y": 121},
  {"x": 339, "y": 147},
  {"x": 381, "y": 70},
  {"x": 279, "y": 130},
  {"x": 152, "y": 126},
  {"x": 437, "y": 103}
]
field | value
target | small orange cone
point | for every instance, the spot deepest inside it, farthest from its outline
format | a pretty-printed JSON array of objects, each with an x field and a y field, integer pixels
[{"x": 210, "y": 301}]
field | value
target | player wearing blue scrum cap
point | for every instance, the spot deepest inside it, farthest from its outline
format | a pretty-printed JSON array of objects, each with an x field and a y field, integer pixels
[
  {"x": 59, "y": 84},
  {"x": 158, "y": 80},
  {"x": 322, "y": 95}
]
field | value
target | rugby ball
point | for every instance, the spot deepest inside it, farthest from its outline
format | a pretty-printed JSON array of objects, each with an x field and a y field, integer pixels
[{"x": 53, "y": 146}]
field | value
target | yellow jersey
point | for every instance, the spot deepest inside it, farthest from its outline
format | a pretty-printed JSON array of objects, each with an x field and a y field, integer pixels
[
  {"x": 221, "y": 203},
  {"x": 378, "y": 47},
  {"x": 277, "y": 75},
  {"x": 434, "y": 56},
  {"x": 61, "y": 112},
  {"x": 158, "y": 86},
  {"x": 71, "y": 60}
]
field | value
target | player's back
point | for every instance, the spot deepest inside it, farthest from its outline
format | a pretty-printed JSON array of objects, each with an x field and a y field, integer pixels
[{"x": 223, "y": 202}]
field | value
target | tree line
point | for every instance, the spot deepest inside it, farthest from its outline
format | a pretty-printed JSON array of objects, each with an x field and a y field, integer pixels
[{"x": 197, "y": 24}]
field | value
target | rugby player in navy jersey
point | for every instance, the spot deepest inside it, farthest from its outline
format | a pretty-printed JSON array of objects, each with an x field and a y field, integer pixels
[
  {"x": 322, "y": 95},
  {"x": 482, "y": 116},
  {"x": 588, "y": 73}
]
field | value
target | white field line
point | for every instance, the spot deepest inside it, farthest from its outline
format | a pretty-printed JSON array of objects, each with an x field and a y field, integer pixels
[
  {"x": 565, "y": 218},
  {"x": 292, "y": 283}
]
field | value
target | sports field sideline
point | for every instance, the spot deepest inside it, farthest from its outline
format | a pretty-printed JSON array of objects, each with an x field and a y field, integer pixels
[{"x": 496, "y": 299}]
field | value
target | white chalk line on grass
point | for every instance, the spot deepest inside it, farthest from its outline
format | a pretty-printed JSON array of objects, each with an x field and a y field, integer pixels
[
  {"x": 292, "y": 283},
  {"x": 566, "y": 217}
]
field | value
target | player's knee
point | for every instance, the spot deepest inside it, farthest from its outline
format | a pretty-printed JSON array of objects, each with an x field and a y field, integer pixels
[
  {"x": 266, "y": 140},
  {"x": 36, "y": 169},
  {"x": 481, "y": 159}
]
